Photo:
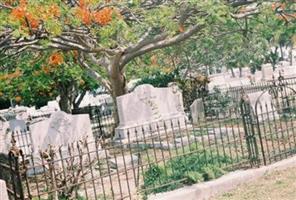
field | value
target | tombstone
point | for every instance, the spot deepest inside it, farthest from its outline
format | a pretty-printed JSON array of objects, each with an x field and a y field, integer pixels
[
  {"x": 4, "y": 138},
  {"x": 92, "y": 100},
  {"x": 288, "y": 71},
  {"x": 258, "y": 76},
  {"x": 246, "y": 71},
  {"x": 238, "y": 82},
  {"x": 53, "y": 105},
  {"x": 264, "y": 107},
  {"x": 197, "y": 111},
  {"x": 17, "y": 125},
  {"x": 3, "y": 191},
  {"x": 60, "y": 129},
  {"x": 267, "y": 72},
  {"x": 148, "y": 108},
  {"x": 217, "y": 80}
]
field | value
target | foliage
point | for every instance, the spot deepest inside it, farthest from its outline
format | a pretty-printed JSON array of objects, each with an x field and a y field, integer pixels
[
  {"x": 40, "y": 78},
  {"x": 188, "y": 169},
  {"x": 217, "y": 102}
]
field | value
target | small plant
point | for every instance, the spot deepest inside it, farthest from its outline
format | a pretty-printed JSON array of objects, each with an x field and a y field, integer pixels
[{"x": 184, "y": 170}]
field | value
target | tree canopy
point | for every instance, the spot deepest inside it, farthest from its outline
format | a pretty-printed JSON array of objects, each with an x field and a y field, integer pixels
[{"x": 109, "y": 36}]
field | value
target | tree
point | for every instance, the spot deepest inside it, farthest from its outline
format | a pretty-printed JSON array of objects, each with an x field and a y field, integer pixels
[
  {"x": 44, "y": 76},
  {"x": 108, "y": 34}
]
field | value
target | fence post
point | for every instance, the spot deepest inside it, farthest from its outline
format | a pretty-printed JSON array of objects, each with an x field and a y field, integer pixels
[
  {"x": 16, "y": 177},
  {"x": 249, "y": 129}
]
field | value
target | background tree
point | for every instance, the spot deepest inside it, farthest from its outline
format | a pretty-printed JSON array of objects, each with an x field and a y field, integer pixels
[
  {"x": 42, "y": 77},
  {"x": 108, "y": 35}
]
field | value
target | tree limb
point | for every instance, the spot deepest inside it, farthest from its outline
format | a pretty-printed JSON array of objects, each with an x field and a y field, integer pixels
[
  {"x": 92, "y": 73},
  {"x": 161, "y": 44}
]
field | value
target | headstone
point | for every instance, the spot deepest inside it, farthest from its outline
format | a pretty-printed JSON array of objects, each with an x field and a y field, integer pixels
[
  {"x": 267, "y": 72},
  {"x": 60, "y": 129},
  {"x": 246, "y": 71},
  {"x": 3, "y": 191},
  {"x": 4, "y": 138},
  {"x": 217, "y": 80},
  {"x": 92, "y": 100},
  {"x": 262, "y": 105},
  {"x": 258, "y": 76},
  {"x": 197, "y": 111},
  {"x": 53, "y": 105},
  {"x": 288, "y": 71},
  {"x": 148, "y": 107},
  {"x": 17, "y": 125}
]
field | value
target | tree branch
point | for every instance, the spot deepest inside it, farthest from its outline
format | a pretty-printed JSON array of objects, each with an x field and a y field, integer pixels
[
  {"x": 160, "y": 44},
  {"x": 92, "y": 73}
]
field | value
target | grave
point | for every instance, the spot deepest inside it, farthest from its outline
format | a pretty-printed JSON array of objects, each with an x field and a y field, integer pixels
[
  {"x": 197, "y": 111},
  {"x": 267, "y": 72},
  {"x": 148, "y": 109},
  {"x": 60, "y": 129},
  {"x": 3, "y": 191},
  {"x": 264, "y": 108},
  {"x": 258, "y": 76}
]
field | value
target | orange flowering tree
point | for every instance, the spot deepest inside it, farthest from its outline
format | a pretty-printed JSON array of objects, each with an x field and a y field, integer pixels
[
  {"x": 108, "y": 34},
  {"x": 40, "y": 78}
]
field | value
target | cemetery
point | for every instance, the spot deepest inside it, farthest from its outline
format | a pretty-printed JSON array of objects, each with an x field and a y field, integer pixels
[{"x": 123, "y": 100}]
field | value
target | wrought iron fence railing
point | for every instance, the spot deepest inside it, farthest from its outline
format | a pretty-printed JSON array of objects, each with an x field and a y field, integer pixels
[{"x": 160, "y": 156}]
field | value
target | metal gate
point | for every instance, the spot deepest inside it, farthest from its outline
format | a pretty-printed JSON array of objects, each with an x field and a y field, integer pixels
[{"x": 270, "y": 123}]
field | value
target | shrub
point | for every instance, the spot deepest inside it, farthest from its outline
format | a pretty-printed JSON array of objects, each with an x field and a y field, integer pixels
[{"x": 188, "y": 169}]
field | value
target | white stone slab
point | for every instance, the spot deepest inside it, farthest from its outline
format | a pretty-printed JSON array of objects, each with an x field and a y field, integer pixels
[
  {"x": 3, "y": 191},
  {"x": 267, "y": 72},
  {"x": 60, "y": 129},
  {"x": 262, "y": 105},
  {"x": 197, "y": 111},
  {"x": 148, "y": 107}
]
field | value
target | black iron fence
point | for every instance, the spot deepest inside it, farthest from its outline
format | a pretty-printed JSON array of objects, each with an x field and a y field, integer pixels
[
  {"x": 102, "y": 118},
  {"x": 161, "y": 156}
]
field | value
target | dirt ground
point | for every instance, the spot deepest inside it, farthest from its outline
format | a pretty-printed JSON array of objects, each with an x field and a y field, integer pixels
[{"x": 277, "y": 185}]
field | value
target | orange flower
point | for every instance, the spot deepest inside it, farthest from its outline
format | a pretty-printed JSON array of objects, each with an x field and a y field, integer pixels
[
  {"x": 18, "y": 99},
  {"x": 84, "y": 14},
  {"x": 23, "y": 2},
  {"x": 104, "y": 16},
  {"x": 181, "y": 28},
  {"x": 18, "y": 13},
  {"x": 55, "y": 10},
  {"x": 56, "y": 59},
  {"x": 34, "y": 23}
]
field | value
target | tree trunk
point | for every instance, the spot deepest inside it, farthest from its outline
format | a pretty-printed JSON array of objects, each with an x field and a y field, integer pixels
[
  {"x": 65, "y": 103},
  {"x": 67, "y": 95},
  {"x": 232, "y": 72},
  {"x": 240, "y": 72},
  {"x": 118, "y": 86}
]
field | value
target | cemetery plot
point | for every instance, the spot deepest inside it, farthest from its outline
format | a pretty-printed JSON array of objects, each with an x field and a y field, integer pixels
[{"x": 222, "y": 134}]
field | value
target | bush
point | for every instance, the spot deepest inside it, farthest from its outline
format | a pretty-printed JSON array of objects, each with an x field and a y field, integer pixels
[{"x": 187, "y": 169}]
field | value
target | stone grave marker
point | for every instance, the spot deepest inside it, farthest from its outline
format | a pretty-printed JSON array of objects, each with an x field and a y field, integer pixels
[
  {"x": 264, "y": 106},
  {"x": 148, "y": 108},
  {"x": 197, "y": 111},
  {"x": 267, "y": 72},
  {"x": 3, "y": 191},
  {"x": 60, "y": 129}
]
